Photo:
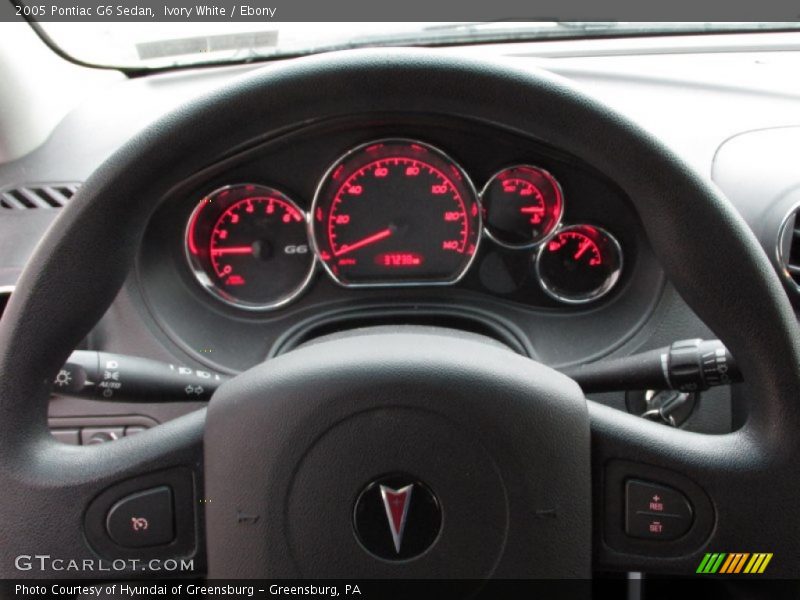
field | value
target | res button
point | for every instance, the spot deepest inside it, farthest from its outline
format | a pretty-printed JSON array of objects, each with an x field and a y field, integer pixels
[
  {"x": 655, "y": 512},
  {"x": 142, "y": 519}
]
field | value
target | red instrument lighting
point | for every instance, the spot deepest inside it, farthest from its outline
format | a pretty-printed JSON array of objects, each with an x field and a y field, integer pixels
[
  {"x": 248, "y": 246},
  {"x": 235, "y": 280},
  {"x": 523, "y": 206},
  {"x": 394, "y": 260},
  {"x": 395, "y": 212},
  {"x": 367, "y": 241},
  {"x": 231, "y": 250}
]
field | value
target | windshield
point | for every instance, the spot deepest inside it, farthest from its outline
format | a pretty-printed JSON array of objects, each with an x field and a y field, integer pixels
[{"x": 164, "y": 45}]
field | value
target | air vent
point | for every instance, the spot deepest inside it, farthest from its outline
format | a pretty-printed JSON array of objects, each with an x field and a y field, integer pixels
[
  {"x": 789, "y": 249},
  {"x": 39, "y": 196}
]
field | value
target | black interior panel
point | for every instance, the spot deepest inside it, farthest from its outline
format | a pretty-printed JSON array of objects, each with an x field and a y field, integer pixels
[{"x": 500, "y": 290}]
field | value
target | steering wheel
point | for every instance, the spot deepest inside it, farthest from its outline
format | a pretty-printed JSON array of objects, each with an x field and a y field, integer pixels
[{"x": 510, "y": 471}]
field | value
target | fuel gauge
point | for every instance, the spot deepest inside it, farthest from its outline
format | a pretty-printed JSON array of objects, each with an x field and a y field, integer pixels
[{"x": 579, "y": 264}]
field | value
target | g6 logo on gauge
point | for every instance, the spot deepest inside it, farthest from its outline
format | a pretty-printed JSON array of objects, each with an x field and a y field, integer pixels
[{"x": 396, "y": 212}]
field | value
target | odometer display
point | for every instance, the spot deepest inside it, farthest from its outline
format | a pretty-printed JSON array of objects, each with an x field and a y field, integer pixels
[{"x": 396, "y": 212}]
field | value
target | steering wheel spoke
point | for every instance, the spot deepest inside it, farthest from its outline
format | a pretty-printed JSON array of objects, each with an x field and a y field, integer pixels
[
  {"x": 63, "y": 498},
  {"x": 665, "y": 497}
]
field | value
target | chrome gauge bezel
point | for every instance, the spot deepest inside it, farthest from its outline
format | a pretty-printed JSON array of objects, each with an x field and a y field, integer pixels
[
  {"x": 467, "y": 181},
  {"x": 781, "y": 256},
  {"x": 608, "y": 285},
  {"x": 199, "y": 272},
  {"x": 538, "y": 247},
  {"x": 487, "y": 230}
]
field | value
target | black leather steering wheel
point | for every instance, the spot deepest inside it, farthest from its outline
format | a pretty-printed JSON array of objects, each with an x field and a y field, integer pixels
[{"x": 529, "y": 480}]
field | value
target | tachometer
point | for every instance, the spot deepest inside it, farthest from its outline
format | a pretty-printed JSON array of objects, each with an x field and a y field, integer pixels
[
  {"x": 396, "y": 212},
  {"x": 248, "y": 246}
]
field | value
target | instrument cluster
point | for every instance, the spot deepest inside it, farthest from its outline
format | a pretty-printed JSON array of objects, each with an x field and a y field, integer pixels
[{"x": 393, "y": 213}]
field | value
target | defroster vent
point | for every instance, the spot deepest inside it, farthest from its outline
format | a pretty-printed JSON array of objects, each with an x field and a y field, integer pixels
[{"x": 38, "y": 196}]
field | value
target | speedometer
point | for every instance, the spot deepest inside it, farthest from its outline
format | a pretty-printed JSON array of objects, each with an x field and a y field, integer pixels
[{"x": 396, "y": 212}]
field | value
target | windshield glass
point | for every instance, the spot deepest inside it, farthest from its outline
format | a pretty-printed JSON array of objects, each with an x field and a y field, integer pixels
[{"x": 160, "y": 45}]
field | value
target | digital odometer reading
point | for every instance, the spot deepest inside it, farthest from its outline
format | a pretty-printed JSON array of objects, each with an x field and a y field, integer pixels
[{"x": 396, "y": 212}]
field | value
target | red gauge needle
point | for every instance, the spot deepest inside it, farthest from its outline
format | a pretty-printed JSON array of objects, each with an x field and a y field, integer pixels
[
  {"x": 582, "y": 248},
  {"x": 531, "y": 209},
  {"x": 375, "y": 237},
  {"x": 233, "y": 250}
]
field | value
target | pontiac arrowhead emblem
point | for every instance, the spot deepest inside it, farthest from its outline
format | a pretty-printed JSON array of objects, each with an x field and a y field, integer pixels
[
  {"x": 409, "y": 508},
  {"x": 396, "y": 503}
]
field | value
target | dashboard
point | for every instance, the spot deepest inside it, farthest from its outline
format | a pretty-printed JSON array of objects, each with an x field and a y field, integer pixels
[
  {"x": 393, "y": 212},
  {"x": 398, "y": 218},
  {"x": 482, "y": 229}
]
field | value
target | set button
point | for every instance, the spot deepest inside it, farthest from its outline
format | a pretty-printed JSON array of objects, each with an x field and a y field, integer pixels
[{"x": 656, "y": 512}]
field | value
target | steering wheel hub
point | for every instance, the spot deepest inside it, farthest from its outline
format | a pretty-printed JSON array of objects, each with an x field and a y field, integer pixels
[{"x": 459, "y": 459}]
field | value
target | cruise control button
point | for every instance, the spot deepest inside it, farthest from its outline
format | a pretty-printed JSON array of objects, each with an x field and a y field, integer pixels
[
  {"x": 643, "y": 496},
  {"x": 142, "y": 519},
  {"x": 656, "y": 512},
  {"x": 656, "y": 527}
]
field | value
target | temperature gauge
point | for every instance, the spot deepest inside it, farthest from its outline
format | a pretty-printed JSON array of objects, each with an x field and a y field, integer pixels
[
  {"x": 579, "y": 264},
  {"x": 522, "y": 206}
]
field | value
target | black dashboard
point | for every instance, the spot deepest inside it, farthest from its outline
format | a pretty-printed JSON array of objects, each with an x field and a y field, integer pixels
[{"x": 286, "y": 240}]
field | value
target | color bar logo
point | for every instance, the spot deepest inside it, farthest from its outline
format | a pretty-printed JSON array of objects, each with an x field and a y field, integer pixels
[{"x": 735, "y": 563}]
